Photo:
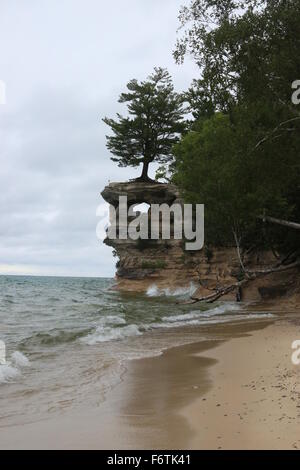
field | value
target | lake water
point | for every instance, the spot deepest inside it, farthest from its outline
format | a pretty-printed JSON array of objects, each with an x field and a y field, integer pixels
[{"x": 68, "y": 339}]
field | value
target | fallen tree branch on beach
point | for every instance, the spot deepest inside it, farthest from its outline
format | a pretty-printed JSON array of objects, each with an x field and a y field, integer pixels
[
  {"x": 219, "y": 292},
  {"x": 251, "y": 276}
]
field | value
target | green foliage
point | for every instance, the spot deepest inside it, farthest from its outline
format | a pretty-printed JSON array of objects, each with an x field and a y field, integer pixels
[
  {"x": 241, "y": 156},
  {"x": 153, "y": 125},
  {"x": 159, "y": 264}
]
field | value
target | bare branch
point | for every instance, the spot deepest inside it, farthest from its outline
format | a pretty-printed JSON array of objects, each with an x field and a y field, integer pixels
[
  {"x": 284, "y": 223},
  {"x": 269, "y": 135},
  {"x": 252, "y": 275},
  {"x": 237, "y": 242}
]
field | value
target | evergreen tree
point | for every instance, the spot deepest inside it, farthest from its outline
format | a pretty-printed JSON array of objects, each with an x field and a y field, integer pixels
[{"x": 153, "y": 125}]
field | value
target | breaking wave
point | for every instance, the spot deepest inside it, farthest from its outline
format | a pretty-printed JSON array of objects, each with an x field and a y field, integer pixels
[
  {"x": 195, "y": 314},
  {"x": 106, "y": 333},
  {"x": 115, "y": 328},
  {"x": 202, "y": 320},
  {"x": 154, "y": 291},
  {"x": 12, "y": 369},
  {"x": 19, "y": 359}
]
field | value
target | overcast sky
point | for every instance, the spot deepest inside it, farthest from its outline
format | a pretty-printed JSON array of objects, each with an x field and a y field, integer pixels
[{"x": 64, "y": 63}]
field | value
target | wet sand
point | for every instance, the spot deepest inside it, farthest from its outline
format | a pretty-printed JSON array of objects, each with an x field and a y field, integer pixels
[
  {"x": 255, "y": 400},
  {"x": 236, "y": 390}
]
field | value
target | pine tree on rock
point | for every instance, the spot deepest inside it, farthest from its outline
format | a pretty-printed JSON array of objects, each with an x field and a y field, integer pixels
[{"x": 153, "y": 125}]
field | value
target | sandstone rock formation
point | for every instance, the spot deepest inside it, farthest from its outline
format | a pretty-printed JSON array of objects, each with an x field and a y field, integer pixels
[
  {"x": 138, "y": 192},
  {"x": 167, "y": 264},
  {"x": 151, "y": 261}
]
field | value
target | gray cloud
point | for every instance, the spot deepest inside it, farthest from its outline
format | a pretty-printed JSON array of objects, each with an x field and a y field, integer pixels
[{"x": 65, "y": 64}]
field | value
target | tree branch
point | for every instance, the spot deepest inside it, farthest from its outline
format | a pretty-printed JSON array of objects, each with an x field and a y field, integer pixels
[
  {"x": 269, "y": 135},
  {"x": 252, "y": 275},
  {"x": 284, "y": 223}
]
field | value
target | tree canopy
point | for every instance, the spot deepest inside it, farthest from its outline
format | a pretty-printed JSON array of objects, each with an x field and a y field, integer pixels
[
  {"x": 241, "y": 156},
  {"x": 239, "y": 151},
  {"x": 153, "y": 124}
]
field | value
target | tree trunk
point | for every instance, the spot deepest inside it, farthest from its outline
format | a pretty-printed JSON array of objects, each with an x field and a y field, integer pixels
[{"x": 144, "y": 175}]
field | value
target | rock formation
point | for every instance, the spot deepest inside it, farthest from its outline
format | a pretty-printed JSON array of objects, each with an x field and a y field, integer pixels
[
  {"x": 167, "y": 264},
  {"x": 145, "y": 262}
]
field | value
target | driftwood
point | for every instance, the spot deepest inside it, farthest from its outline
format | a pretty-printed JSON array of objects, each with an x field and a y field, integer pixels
[
  {"x": 220, "y": 292},
  {"x": 250, "y": 275}
]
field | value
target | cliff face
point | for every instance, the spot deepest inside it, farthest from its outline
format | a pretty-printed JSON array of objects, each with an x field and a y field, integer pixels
[
  {"x": 145, "y": 262},
  {"x": 138, "y": 192},
  {"x": 167, "y": 264}
]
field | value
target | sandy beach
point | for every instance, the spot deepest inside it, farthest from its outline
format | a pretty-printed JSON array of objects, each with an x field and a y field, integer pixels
[
  {"x": 239, "y": 390},
  {"x": 255, "y": 400},
  {"x": 244, "y": 393}
]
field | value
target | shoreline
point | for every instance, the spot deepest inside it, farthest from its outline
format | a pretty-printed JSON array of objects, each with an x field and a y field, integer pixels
[
  {"x": 169, "y": 401},
  {"x": 236, "y": 388}
]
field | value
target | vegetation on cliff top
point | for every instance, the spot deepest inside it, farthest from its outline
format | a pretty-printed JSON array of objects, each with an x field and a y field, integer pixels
[
  {"x": 241, "y": 157},
  {"x": 153, "y": 125},
  {"x": 239, "y": 152}
]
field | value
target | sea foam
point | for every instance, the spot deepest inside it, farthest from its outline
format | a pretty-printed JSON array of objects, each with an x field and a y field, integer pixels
[
  {"x": 106, "y": 333},
  {"x": 20, "y": 360},
  {"x": 154, "y": 291},
  {"x": 195, "y": 314},
  {"x": 7, "y": 373},
  {"x": 12, "y": 368}
]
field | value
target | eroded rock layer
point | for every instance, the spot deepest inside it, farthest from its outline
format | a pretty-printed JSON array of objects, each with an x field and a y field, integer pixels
[{"x": 167, "y": 265}]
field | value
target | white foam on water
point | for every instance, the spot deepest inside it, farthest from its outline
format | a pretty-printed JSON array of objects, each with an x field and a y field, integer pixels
[
  {"x": 194, "y": 314},
  {"x": 19, "y": 360},
  {"x": 154, "y": 291},
  {"x": 106, "y": 333},
  {"x": 115, "y": 328},
  {"x": 7, "y": 373},
  {"x": 11, "y": 369},
  {"x": 209, "y": 320}
]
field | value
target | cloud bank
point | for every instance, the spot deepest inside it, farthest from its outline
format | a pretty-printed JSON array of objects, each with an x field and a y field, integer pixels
[{"x": 64, "y": 64}]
